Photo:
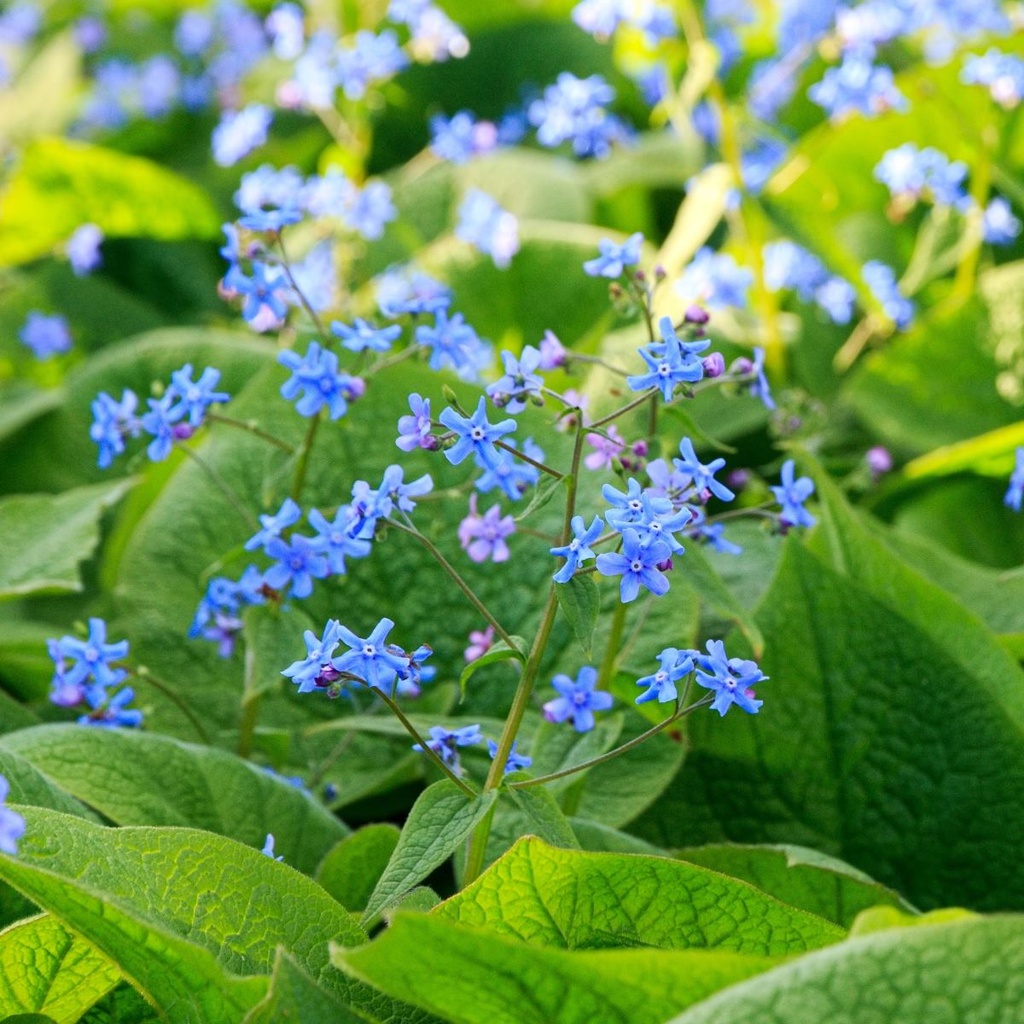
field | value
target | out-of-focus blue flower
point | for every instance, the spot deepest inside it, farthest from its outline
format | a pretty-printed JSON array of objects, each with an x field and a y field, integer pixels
[
  {"x": 194, "y": 397},
  {"x": 857, "y": 87},
  {"x": 661, "y": 685},
  {"x": 369, "y": 60},
  {"x": 577, "y": 699},
  {"x": 316, "y": 382},
  {"x": 803, "y": 22},
  {"x": 240, "y": 132},
  {"x": 836, "y": 297},
  {"x": 316, "y": 277},
  {"x": 615, "y": 258},
  {"x": 370, "y": 209},
  {"x": 1001, "y": 73},
  {"x": 453, "y": 343},
  {"x": 363, "y": 335},
  {"x": 637, "y": 565},
  {"x": 159, "y": 86},
  {"x": 476, "y": 435},
  {"x": 83, "y": 249},
  {"x": 791, "y": 495},
  {"x": 263, "y": 306},
  {"x": 19, "y": 24},
  {"x": 520, "y": 381},
  {"x": 274, "y": 525},
  {"x": 285, "y": 27},
  {"x": 315, "y": 81},
  {"x": 406, "y": 290},
  {"x": 444, "y": 743},
  {"x": 732, "y": 679},
  {"x": 773, "y": 84},
  {"x": 90, "y": 33},
  {"x": 788, "y": 265},
  {"x": 12, "y": 824},
  {"x": 999, "y": 225},
  {"x": 911, "y": 172},
  {"x": 436, "y": 37},
  {"x": 1015, "y": 492},
  {"x": 460, "y": 138},
  {"x": 487, "y": 227},
  {"x": 759, "y": 162},
  {"x": 881, "y": 279},
  {"x": 45, "y": 335},
  {"x": 578, "y": 550},
  {"x": 515, "y": 762},
  {"x": 298, "y": 561},
  {"x": 575, "y": 110},
  {"x": 193, "y": 33},
  {"x": 112, "y": 422},
  {"x": 715, "y": 280}
]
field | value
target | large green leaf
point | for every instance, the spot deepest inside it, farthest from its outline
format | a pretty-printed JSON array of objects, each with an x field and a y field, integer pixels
[
  {"x": 352, "y": 868},
  {"x": 573, "y": 900},
  {"x": 964, "y": 972},
  {"x": 295, "y": 997},
  {"x": 135, "y": 778},
  {"x": 470, "y": 975},
  {"x": 798, "y": 876},
  {"x": 47, "y": 537},
  {"x": 44, "y": 968},
  {"x": 892, "y": 733},
  {"x": 189, "y": 917},
  {"x": 440, "y": 820},
  {"x": 59, "y": 185}
]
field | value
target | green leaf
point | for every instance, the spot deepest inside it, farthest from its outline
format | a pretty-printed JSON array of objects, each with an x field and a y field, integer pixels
[
  {"x": 47, "y": 537},
  {"x": 541, "y": 816},
  {"x": 497, "y": 652},
  {"x": 554, "y": 897},
  {"x": 137, "y": 778},
  {"x": 123, "y": 1006},
  {"x": 59, "y": 185},
  {"x": 964, "y": 972},
  {"x": 30, "y": 786},
  {"x": 352, "y": 868},
  {"x": 442, "y": 817},
  {"x": 580, "y": 602},
  {"x": 597, "y": 838},
  {"x": 44, "y": 968},
  {"x": 295, "y": 997},
  {"x": 188, "y": 916},
  {"x": 470, "y": 975},
  {"x": 556, "y": 747},
  {"x": 798, "y": 876},
  {"x": 991, "y": 454}
]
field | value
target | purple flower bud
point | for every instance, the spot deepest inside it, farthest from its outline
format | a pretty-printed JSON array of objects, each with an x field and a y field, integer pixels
[
  {"x": 738, "y": 479},
  {"x": 879, "y": 460},
  {"x": 182, "y": 431},
  {"x": 742, "y": 366},
  {"x": 714, "y": 365},
  {"x": 697, "y": 315},
  {"x": 664, "y": 566}
]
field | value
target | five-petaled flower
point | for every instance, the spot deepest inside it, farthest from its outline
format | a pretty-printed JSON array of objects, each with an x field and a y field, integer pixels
[
  {"x": 577, "y": 699},
  {"x": 732, "y": 679},
  {"x": 476, "y": 435}
]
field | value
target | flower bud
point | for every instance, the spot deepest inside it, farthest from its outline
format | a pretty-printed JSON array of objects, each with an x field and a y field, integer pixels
[{"x": 714, "y": 365}]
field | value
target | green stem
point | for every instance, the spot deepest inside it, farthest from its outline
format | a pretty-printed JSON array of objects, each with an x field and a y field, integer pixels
[
  {"x": 457, "y": 579},
  {"x": 286, "y": 266},
  {"x": 621, "y": 412},
  {"x": 414, "y": 733},
  {"x": 144, "y": 675},
  {"x": 247, "y": 725},
  {"x": 216, "y": 417},
  {"x": 612, "y": 754},
  {"x": 522, "y": 456},
  {"x": 299, "y": 480},
  {"x": 611, "y": 651},
  {"x": 222, "y": 485}
]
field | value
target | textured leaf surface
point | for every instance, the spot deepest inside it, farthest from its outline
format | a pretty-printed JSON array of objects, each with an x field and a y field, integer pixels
[
  {"x": 442, "y": 817},
  {"x": 59, "y": 185},
  {"x": 966, "y": 972},
  {"x": 473, "y": 976},
  {"x": 352, "y": 868},
  {"x": 575, "y": 900},
  {"x": 295, "y": 998},
  {"x": 47, "y": 537},
  {"x": 580, "y": 602},
  {"x": 186, "y": 915},
  {"x": 798, "y": 876},
  {"x": 136, "y": 778},
  {"x": 44, "y": 968}
]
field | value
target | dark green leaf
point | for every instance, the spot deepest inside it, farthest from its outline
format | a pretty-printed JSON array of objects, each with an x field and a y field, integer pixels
[
  {"x": 352, "y": 868},
  {"x": 497, "y": 652},
  {"x": 580, "y": 602}
]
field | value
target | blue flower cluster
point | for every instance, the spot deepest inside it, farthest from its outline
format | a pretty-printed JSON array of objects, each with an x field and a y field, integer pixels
[
  {"x": 575, "y": 110},
  {"x": 790, "y": 266},
  {"x": 1001, "y": 73},
  {"x": 174, "y": 416},
  {"x": 488, "y": 228},
  {"x": 45, "y": 335},
  {"x": 911, "y": 173},
  {"x": 670, "y": 362},
  {"x": 84, "y": 673}
]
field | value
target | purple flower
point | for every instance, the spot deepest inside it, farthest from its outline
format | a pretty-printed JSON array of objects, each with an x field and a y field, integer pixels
[
  {"x": 605, "y": 448},
  {"x": 372, "y": 659},
  {"x": 661, "y": 685},
  {"x": 520, "y": 383},
  {"x": 309, "y": 672},
  {"x": 479, "y": 643},
  {"x": 553, "y": 353},
  {"x": 577, "y": 700},
  {"x": 287, "y": 515},
  {"x": 414, "y": 430},
  {"x": 578, "y": 549},
  {"x": 482, "y": 537},
  {"x": 637, "y": 565},
  {"x": 515, "y": 762},
  {"x": 362, "y": 335},
  {"x": 732, "y": 679},
  {"x": 476, "y": 435},
  {"x": 298, "y": 562},
  {"x": 12, "y": 824},
  {"x": 1015, "y": 492},
  {"x": 83, "y": 249},
  {"x": 444, "y": 743},
  {"x": 791, "y": 495},
  {"x": 615, "y": 258},
  {"x": 488, "y": 228},
  {"x": 45, "y": 335}
]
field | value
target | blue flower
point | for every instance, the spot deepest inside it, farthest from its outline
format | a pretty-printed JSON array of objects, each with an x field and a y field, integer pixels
[
  {"x": 12, "y": 824},
  {"x": 454, "y": 343},
  {"x": 460, "y": 138},
  {"x": 759, "y": 387},
  {"x": 110, "y": 713},
  {"x": 163, "y": 425},
  {"x": 476, "y": 435},
  {"x": 702, "y": 478},
  {"x": 836, "y": 297},
  {"x": 788, "y": 265},
  {"x": 661, "y": 685},
  {"x": 910, "y": 172},
  {"x": 1015, "y": 492},
  {"x": 91, "y": 657},
  {"x": 403, "y": 290},
  {"x": 414, "y": 430},
  {"x": 512, "y": 475},
  {"x": 362, "y": 335},
  {"x": 791, "y": 495},
  {"x": 488, "y": 228},
  {"x": 515, "y": 761},
  {"x": 577, "y": 700},
  {"x": 240, "y": 132},
  {"x": 371, "y": 58},
  {"x": 637, "y": 565},
  {"x": 881, "y": 279},
  {"x": 633, "y": 506},
  {"x": 298, "y": 562},
  {"x": 268, "y": 845},
  {"x": 999, "y": 225},
  {"x": 670, "y": 362},
  {"x": 45, "y": 335},
  {"x": 83, "y": 249},
  {"x": 112, "y": 422},
  {"x": 574, "y": 110},
  {"x": 393, "y": 489},
  {"x": 287, "y": 515},
  {"x": 732, "y": 679},
  {"x": 307, "y": 673},
  {"x": 264, "y": 306},
  {"x": 615, "y": 258},
  {"x": 857, "y": 86},
  {"x": 336, "y": 539},
  {"x": 444, "y": 743},
  {"x": 372, "y": 659},
  {"x": 270, "y": 221},
  {"x": 520, "y": 382},
  {"x": 369, "y": 209},
  {"x": 194, "y": 397},
  {"x": 715, "y": 280},
  {"x": 1003, "y": 73},
  {"x": 317, "y": 382},
  {"x": 578, "y": 549}
]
